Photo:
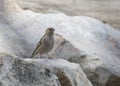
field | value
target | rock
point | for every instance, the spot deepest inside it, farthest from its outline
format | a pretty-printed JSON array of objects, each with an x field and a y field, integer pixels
[
  {"x": 64, "y": 49},
  {"x": 104, "y": 10},
  {"x": 9, "y": 6},
  {"x": 84, "y": 40},
  {"x": 15, "y": 71},
  {"x": 94, "y": 67},
  {"x": 88, "y": 45},
  {"x": 27, "y": 36},
  {"x": 69, "y": 74},
  {"x": 113, "y": 81}
]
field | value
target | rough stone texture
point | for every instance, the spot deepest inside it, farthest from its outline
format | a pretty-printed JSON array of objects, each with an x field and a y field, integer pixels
[
  {"x": 84, "y": 40},
  {"x": 15, "y": 71},
  {"x": 94, "y": 67},
  {"x": 113, "y": 81},
  {"x": 107, "y": 11},
  {"x": 97, "y": 46},
  {"x": 69, "y": 74},
  {"x": 26, "y": 37},
  {"x": 9, "y": 6}
]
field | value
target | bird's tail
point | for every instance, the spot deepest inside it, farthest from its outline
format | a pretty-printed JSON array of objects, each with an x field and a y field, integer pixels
[{"x": 33, "y": 54}]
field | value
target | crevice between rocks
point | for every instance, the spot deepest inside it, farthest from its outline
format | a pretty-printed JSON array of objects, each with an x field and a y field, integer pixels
[{"x": 64, "y": 81}]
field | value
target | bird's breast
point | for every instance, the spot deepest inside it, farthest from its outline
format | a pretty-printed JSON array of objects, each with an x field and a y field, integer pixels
[{"x": 48, "y": 44}]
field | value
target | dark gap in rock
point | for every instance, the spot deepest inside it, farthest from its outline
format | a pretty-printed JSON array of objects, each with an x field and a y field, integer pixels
[
  {"x": 113, "y": 81},
  {"x": 64, "y": 81}
]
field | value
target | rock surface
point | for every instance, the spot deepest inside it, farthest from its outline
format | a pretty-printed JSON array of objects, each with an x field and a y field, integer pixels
[
  {"x": 97, "y": 43},
  {"x": 15, "y": 71},
  {"x": 107, "y": 11},
  {"x": 80, "y": 39},
  {"x": 9, "y": 6},
  {"x": 69, "y": 74}
]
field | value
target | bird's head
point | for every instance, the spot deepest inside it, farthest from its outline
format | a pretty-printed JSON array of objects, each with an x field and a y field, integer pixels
[{"x": 50, "y": 31}]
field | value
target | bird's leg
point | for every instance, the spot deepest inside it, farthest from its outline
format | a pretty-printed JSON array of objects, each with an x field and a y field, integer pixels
[
  {"x": 40, "y": 55},
  {"x": 49, "y": 56}
]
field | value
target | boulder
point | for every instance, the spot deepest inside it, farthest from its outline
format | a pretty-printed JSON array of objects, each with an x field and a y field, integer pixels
[
  {"x": 80, "y": 39},
  {"x": 15, "y": 71},
  {"x": 95, "y": 69},
  {"x": 69, "y": 74}
]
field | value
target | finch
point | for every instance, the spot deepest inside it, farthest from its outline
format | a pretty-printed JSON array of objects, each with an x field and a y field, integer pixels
[{"x": 45, "y": 44}]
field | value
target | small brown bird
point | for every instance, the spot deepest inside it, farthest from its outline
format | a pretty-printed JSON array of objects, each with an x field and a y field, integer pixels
[{"x": 45, "y": 44}]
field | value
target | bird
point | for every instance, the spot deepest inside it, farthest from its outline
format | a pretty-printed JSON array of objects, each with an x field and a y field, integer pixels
[{"x": 45, "y": 44}]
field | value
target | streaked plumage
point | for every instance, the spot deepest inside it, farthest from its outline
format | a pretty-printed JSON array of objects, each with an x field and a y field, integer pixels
[{"x": 46, "y": 43}]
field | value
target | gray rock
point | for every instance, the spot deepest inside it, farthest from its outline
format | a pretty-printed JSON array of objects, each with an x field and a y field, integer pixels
[
  {"x": 15, "y": 71},
  {"x": 99, "y": 46},
  {"x": 84, "y": 40},
  {"x": 95, "y": 69},
  {"x": 69, "y": 74}
]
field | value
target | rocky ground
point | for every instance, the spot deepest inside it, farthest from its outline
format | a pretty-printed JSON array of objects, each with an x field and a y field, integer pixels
[
  {"x": 86, "y": 51},
  {"x": 107, "y": 11}
]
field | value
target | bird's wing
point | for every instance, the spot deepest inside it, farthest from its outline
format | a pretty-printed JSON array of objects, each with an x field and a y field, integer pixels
[{"x": 38, "y": 46}]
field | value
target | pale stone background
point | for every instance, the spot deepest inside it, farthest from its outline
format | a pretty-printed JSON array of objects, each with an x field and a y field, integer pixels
[
  {"x": 107, "y": 11},
  {"x": 87, "y": 43}
]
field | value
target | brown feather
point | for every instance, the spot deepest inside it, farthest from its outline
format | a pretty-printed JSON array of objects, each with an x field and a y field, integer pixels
[{"x": 38, "y": 46}]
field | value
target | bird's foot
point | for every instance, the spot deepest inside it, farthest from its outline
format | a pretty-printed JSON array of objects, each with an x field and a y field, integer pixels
[
  {"x": 40, "y": 57},
  {"x": 50, "y": 57}
]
